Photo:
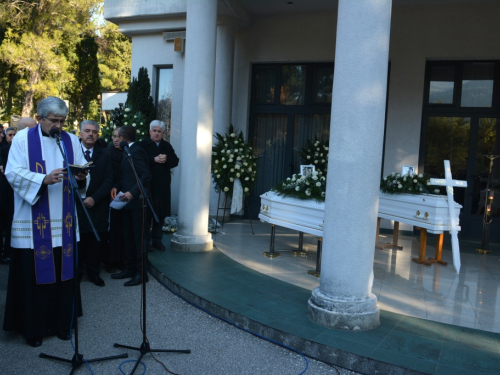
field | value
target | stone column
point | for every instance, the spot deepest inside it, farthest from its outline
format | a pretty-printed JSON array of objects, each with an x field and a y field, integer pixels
[
  {"x": 197, "y": 127},
  {"x": 344, "y": 299},
  {"x": 223, "y": 95}
]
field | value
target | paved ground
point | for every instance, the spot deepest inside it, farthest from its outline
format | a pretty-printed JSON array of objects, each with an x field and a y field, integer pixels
[{"x": 112, "y": 315}]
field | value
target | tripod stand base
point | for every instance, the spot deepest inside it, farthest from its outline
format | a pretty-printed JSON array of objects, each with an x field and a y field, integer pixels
[
  {"x": 146, "y": 348},
  {"x": 483, "y": 251},
  {"x": 78, "y": 360}
]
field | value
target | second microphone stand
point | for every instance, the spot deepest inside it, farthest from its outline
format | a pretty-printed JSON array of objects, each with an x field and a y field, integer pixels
[
  {"x": 78, "y": 359},
  {"x": 145, "y": 346}
]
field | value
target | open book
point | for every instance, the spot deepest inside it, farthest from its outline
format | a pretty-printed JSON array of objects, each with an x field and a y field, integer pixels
[{"x": 75, "y": 168}]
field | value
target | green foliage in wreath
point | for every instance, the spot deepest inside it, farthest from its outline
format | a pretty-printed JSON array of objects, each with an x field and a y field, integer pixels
[
  {"x": 395, "y": 183},
  {"x": 315, "y": 153},
  {"x": 232, "y": 158},
  {"x": 124, "y": 116},
  {"x": 298, "y": 186},
  {"x": 302, "y": 187}
]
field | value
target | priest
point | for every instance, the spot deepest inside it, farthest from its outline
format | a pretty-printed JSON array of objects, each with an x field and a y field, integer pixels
[
  {"x": 162, "y": 159},
  {"x": 40, "y": 287}
]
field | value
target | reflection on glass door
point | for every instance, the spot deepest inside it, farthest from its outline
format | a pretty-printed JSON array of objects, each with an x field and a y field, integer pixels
[
  {"x": 269, "y": 144},
  {"x": 488, "y": 143},
  {"x": 448, "y": 139}
]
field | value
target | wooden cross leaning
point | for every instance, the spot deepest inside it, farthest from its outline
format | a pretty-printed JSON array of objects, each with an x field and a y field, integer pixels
[{"x": 450, "y": 184}]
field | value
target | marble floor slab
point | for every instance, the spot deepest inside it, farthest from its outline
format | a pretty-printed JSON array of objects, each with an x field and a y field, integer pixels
[{"x": 437, "y": 293}]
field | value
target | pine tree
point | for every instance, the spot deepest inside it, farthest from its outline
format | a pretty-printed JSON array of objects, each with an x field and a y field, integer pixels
[{"x": 139, "y": 97}]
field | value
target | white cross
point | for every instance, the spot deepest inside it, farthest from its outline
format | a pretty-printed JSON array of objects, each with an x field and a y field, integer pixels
[{"x": 450, "y": 183}]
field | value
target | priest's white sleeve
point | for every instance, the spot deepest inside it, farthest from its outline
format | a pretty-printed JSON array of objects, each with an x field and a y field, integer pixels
[{"x": 26, "y": 184}]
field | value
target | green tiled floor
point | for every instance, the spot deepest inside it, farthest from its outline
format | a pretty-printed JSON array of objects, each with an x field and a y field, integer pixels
[{"x": 412, "y": 343}]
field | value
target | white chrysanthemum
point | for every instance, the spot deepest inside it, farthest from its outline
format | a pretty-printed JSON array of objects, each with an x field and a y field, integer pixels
[
  {"x": 224, "y": 166},
  {"x": 127, "y": 109},
  {"x": 237, "y": 166},
  {"x": 315, "y": 162},
  {"x": 246, "y": 189},
  {"x": 400, "y": 186},
  {"x": 308, "y": 192},
  {"x": 134, "y": 125},
  {"x": 231, "y": 179},
  {"x": 125, "y": 116},
  {"x": 297, "y": 188},
  {"x": 137, "y": 131},
  {"x": 314, "y": 177},
  {"x": 216, "y": 162},
  {"x": 230, "y": 160},
  {"x": 218, "y": 176},
  {"x": 232, "y": 169},
  {"x": 226, "y": 189},
  {"x": 238, "y": 175},
  {"x": 247, "y": 178},
  {"x": 235, "y": 142},
  {"x": 318, "y": 184},
  {"x": 214, "y": 153},
  {"x": 233, "y": 135},
  {"x": 414, "y": 180},
  {"x": 420, "y": 175}
]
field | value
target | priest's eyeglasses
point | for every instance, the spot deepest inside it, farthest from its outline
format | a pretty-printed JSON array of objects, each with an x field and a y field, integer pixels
[{"x": 55, "y": 120}]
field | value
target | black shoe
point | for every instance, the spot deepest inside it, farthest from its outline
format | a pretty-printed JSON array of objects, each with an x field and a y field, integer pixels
[
  {"x": 96, "y": 279},
  {"x": 35, "y": 342},
  {"x": 6, "y": 261},
  {"x": 63, "y": 335},
  {"x": 159, "y": 246},
  {"x": 123, "y": 275},
  {"x": 136, "y": 280}
]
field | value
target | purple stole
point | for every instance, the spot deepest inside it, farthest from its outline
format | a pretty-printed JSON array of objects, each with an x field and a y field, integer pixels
[{"x": 40, "y": 213}]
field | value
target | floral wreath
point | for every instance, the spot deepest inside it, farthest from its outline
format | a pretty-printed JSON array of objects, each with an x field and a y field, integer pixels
[
  {"x": 233, "y": 159},
  {"x": 124, "y": 116},
  {"x": 313, "y": 186},
  {"x": 395, "y": 183}
]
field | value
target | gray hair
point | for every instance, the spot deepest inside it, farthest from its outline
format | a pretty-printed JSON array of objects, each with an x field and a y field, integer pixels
[
  {"x": 53, "y": 105},
  {"x": 89, "y": 122},
  {"x": 158, "y": 123}
]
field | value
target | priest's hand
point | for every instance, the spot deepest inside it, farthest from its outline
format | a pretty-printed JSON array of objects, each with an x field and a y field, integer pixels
[
  {"x": 55, "y": 176},
  {"x": 113, "y": 193},
  {"x": 126, "y": 197},
  {"x": 89, "y": 202},
  {"x": 80, "y": 176}
]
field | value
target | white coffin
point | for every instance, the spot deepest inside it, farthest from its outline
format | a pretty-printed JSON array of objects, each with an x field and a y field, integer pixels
[
  {"x": 301, "y": 215},
  {"x": 425, "y": 211}
]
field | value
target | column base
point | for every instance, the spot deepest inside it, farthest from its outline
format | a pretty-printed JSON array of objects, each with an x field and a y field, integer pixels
[
  {"x": 345, "y": 315},
  {"x": 192, "y": 244}
]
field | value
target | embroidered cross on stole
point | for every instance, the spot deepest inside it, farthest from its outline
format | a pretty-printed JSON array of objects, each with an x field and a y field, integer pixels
[{"x": 40, "y": 213}]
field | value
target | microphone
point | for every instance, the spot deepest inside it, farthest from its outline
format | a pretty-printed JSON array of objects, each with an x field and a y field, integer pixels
[
  {"x": 54, "y": 133},
  {"x": 124, "y": 147}
]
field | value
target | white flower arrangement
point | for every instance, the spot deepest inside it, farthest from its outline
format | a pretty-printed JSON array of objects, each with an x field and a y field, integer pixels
[
  {"x": 395, "y": 183},
  {"x": 239, "y": 162},
  {"x": 313, "y": 186}
]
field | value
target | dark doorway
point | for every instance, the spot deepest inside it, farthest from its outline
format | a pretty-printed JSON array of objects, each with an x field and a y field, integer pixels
[
  {"x": 290, "y": 103},
  {"x": 461, "y": 123}
]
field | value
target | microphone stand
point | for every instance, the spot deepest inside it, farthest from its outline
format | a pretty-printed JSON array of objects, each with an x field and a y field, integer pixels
[
  {"x": 145, "y": 346},
  {"x": 78, "y": 358}
]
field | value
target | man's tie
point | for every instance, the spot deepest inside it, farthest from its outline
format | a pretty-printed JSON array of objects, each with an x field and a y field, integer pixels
[{"x": 87, "y": 155}]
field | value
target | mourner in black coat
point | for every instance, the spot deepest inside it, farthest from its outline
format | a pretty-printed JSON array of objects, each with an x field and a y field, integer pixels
[
  {"x": 162, "y": 159},
  {"x": 96, "y": 201},
  {"x": 6, "y": 198},
  {"x": 134, "y": 212},
  {"x": 113, "y": 255}
]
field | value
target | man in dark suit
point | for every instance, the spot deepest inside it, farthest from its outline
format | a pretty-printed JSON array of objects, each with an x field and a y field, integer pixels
[
  {"x": 134, "y": 212},
  {"x": 162, "y": 159},
  {"x": 96, "y": 201}
]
